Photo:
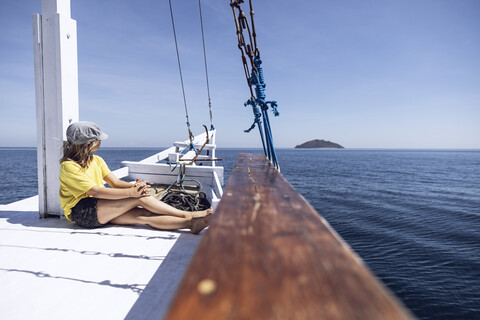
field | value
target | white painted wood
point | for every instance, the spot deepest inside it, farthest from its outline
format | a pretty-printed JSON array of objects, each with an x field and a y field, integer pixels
[
  {"x": 27, "y": 204},
  {"x": 159, "y": 156},
  {"x": 187, "y": 160},
  {"x": 178, "y": 147},
  {"x": 218, "y": 183},
  {"x": 212, "y": 136},
  {"x": 197, "y": 146},
  {"x": 56, "y": 6},
  {"x": 53, "y": 269},
  {"x": 56, "y": 89},
  {"x": 121, "y": 173},
  {"x": 189, "y": 155},
  {"x": 40, "y": 114},
  {"x": 136, "y": 170},
  {"x": 208, "y": 175},
  {"x": 173, "y": 157}
]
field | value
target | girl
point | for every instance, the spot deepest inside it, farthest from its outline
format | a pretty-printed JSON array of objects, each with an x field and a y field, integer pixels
[{"x": 86, "y": 200}]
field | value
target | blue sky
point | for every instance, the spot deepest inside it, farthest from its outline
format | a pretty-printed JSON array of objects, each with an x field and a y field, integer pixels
[{"x": 365, "y": 74}]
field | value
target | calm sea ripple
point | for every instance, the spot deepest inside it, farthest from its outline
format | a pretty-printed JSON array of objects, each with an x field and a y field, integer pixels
[{"x": 412, "y": 215}]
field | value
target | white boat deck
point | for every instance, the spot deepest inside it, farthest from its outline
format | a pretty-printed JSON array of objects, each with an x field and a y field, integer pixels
[{"x": 53, "y": 269}]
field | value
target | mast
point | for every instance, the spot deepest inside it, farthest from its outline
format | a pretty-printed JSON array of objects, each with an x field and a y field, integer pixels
[{"x": 56, "y": 91}]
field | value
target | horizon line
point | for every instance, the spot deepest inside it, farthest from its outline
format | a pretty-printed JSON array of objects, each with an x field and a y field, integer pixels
[{"x": 260, "y": 148}]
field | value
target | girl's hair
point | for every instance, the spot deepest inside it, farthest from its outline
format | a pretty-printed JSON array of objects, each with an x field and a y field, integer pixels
[{"x": 80, "y": 153}]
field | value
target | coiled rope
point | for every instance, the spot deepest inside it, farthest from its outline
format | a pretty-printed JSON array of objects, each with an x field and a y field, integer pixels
[{"x": 186, "y": 201}]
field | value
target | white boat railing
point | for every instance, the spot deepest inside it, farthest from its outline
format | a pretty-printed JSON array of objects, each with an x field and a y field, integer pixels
[{"x": 164, "y": 167}]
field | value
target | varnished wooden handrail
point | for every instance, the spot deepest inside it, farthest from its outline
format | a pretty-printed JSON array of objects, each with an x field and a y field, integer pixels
[{"x": 269, "y": 255}]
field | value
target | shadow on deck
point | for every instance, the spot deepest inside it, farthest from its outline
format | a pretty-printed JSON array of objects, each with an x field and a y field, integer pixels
[{"x": 48, "y": 267}]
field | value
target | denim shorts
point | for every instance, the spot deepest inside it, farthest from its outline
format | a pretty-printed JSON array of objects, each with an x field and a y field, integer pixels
[{"x": 85, "y": 213}]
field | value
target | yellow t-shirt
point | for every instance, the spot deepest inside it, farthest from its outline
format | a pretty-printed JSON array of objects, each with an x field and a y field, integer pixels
[{"x": 75, "y": 181}]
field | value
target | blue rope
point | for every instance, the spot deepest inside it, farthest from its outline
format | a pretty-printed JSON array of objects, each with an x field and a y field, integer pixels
[
  {"x": 258, "y": 103},
  {"x": 191, "y": 146},
  {"x": 257, "y": 121}
]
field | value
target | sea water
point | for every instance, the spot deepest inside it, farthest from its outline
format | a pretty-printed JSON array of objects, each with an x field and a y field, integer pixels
[{"x": 412, "y": 215}]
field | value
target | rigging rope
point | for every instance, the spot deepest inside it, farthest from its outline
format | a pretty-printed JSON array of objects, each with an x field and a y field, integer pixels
[
  {"x": 181, "y": 178},
  {"x": 254, "y": 76},
  {"x": 206, "y": 69},
  {"x": 190, "y": 135}
]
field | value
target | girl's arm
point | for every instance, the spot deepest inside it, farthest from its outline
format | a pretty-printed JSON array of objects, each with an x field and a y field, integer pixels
[
  {"x": 120, "y": 189},
  {"x": 133, "y": 191},
  {"x": 114, "y": 182}
]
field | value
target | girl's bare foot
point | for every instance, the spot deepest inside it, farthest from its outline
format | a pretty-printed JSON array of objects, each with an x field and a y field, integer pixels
[
  {"x": 198, "y": 224},
  {"x": 199, "y": 214}
]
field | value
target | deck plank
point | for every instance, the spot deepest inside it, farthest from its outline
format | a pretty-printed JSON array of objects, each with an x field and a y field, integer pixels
[
  {"x": 269, "y": 255},
  {"x": 53, "y": 269}
]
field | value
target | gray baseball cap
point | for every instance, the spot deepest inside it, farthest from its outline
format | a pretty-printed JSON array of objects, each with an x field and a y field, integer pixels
[{"x": 84, "y": 131}]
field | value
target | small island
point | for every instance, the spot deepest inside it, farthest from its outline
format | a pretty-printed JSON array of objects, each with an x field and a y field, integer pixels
[{"x": 319, "y": 144}]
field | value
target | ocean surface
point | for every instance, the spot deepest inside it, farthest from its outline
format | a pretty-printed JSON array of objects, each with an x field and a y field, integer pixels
[{"x": 412, "y": 215}]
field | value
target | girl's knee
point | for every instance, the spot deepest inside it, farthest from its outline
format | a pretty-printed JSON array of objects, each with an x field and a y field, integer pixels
[{"x": 145, "y": 200}]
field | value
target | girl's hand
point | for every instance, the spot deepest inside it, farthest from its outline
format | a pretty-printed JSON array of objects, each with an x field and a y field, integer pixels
[
  {"x": 139, "y": 183},
  {"x": 139, "y": 189},
  {"x": 145, "y": 191}
]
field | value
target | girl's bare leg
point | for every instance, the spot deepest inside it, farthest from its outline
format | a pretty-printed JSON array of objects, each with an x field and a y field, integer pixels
[
  {"x": 108, "y": 210},
  {"x": 159, "y": 207},
  {"x": 162, "y": 222}
]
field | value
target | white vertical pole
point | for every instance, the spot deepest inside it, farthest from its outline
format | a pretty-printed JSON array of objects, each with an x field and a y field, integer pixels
[
  {"x": 212, "y": 141},
  {"x": 56, "y": 89}
]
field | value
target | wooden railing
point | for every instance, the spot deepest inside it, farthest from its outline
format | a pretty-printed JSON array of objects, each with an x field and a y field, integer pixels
[{"x": 269, "y": 255}]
